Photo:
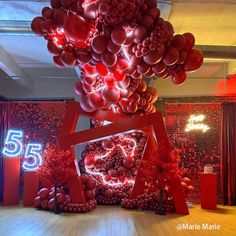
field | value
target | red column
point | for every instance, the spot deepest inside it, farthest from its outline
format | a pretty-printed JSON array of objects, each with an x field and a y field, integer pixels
[
  {"x": 11, "y": 180},
  {"x": 31, "y": 187},
  {"x": 208, "y": 191}
]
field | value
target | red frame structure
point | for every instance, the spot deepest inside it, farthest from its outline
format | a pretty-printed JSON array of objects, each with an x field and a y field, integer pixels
[{"x": 122, "y": 123}]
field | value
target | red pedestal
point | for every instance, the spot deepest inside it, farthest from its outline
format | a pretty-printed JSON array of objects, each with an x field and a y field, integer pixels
[
  {"x": 31, "y": 187},
  {"x": 11, "y": 180},
  {"x": 208, "y": 191}
]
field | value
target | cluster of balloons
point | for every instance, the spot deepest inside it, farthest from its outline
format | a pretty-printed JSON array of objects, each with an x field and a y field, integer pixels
[
  {"x": 150, "y": 201},
  {"x": 186, "y": 185},
  {"x": 46, "y": 198},
  {"x": 114, "y": 161},
  {"x": 116, "y": 44}
]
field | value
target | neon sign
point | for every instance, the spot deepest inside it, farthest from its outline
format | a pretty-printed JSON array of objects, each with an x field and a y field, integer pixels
[
  {"x": 14, "y": 147},
  {"x": 195, "y": 123}
]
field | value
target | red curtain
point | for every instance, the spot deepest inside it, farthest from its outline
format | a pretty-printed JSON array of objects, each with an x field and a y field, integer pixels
[{"x": 228, "y": 163}]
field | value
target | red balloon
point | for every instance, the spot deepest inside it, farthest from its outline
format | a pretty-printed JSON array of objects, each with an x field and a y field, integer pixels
[
  {"x": 79, "y": 88},
  {"x": 95, "y": 100},
  {"x": 85, "y": 105},
  {"x": 140, "y": 33},
  {"x": 190, "y": 189},
  {"x": 47, "y": 12},
  {"x": 158, "y": 68},
  {"x": 184, "y": 186},
  {"x": 59, "y": 17},
  {"x": 89, "y": 161},
  {"x": 58, "y": 62},
  {"x": 110, "y": 81},
  {"x": 90, "y": 11},
  {"x": 147, "y": 22},
  {"x": 76, "y": 28},
  {"x": 44, "y": 204},
  {"x": 179, "y": 77},
  {"x": 132, "y": 108},
  {"x": 101, "y": 69},
  {"x": 37, "y": 202},
  {"x": 43, "y": 193},
  {"x": 189, "y": 40},
  {"x": 171, "y": 56},
  {"x": 99, "y": 44},
  {"x": 90, "y": 194},
  {"x": 122, "y": 64},
  {"x": 150, "y": 74},
  {"x": 55, "y": 3},
  {"x": 119, "y": 75},
  {"x": 90, "y": 70},
  {"x": 91, "y": 185},
  {"x": 89, "y": 80},
  {"x": 118, "y": 36},
  {"x": 194, "y": 60},
  {"x": 84, "y": 58},
  {"x": 153, "y": 92},
  {"x": 36, "y": 25},
  {"x": 128, "y": 162},
  {"x": 111, "y": 95},
  {"x": 109, "y": 59},
  {"x": 68, "y": 58},
  {"x": 54, "y": 48},
  {"x": 182, "y": 57},
  {"x": 114, "y": 174},
  {"x": 126, "y": 82},
  {"x": 178, "y": 42},
  {"x": 154, "y": 13},
  {"x": 108, "y": 193},
  {"x": 135, "y": 60},
  {"x": 143, "y": 68},
  {"x": 154, "y": 57},
  {"x": 162, "y": 74},
  {"x": 51, "y": 204},
  {"x": 121, "y": 170},
  {"x": 141, "y": 87},
  {"x": 60, "y": 198},
  {"x": 113, "y": 48},
  {"x": 66, "y": 3},
  {"x": 187, "y": 180},
  {"x": 112, "y": 68}
]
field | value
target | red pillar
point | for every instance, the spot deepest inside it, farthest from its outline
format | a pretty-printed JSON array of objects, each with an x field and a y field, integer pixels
[
  {"x": 11, "y": 180},
  {"x": 31, "y": 187}
]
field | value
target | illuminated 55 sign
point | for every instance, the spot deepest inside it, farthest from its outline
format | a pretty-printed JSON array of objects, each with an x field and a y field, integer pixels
[{"x": 13, "y": 147}]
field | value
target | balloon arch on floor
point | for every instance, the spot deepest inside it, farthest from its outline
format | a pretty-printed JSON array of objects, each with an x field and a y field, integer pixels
[{"x": 115, "y": 44}]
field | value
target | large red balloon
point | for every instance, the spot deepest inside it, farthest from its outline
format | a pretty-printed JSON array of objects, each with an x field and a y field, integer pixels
[
  {"x": 118, "y": 36},
  {"x": 58, "y": 62},
  {"x": 179, "y": 77},
  {"x": 111, "y": 94},
  {"x": 140, "y": 33},
  {"x": 79, "y": 88},
  {"x": 54, "y": 48},
  {"x": 36, "y": 25},
  {"x": 85, "y": 105},
  {"x": 76, "y": 28},
  {"x": 171, "y": 56},
  {"x": 109, "y": 59},
  {"x": 194, "y": 60},
  {"x": 68, "y": 58},
  {"x": 99, "y": 44},
  {"x": 95, "y": 100},
  {"x": 154, "y": 57},
  {"x": 189, "y": 40}
]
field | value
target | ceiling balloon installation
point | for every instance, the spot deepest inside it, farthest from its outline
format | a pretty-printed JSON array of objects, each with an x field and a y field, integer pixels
[{"x": 116, "y": 44}]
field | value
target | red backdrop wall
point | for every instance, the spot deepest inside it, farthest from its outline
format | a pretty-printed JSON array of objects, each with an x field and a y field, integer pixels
[{"x": 198, "y": 148}]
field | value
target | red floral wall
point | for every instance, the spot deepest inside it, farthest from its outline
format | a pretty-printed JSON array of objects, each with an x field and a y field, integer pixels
[{"x": 198, "y": 148}]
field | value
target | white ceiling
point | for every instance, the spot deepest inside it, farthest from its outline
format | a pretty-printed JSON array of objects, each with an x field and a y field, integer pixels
[{"x": 211, "y": 21}]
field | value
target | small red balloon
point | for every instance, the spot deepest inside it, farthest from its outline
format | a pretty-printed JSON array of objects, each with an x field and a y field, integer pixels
[
  {"x": 194, "y": 60},
  {"x": 68, "y": 58},
  {"x": 58, "y": 62},
  {"x": 99, "y": 44},
  {"x": 189, "y": 40},
  {"x": 118, "y": 36},
  {"x": 79, "y": 88},
  {"x": 95, "y": 100},
  {"x": 171, "y": 56},
  {"x": 36, "y": 25},
  {"x": 109, "y": 59},
  {"x": 179, "y": 77},
  {"x": 111, "y": 95},
  {"x": 154, "y": 57},
  {"x": 54, "y": 48}
]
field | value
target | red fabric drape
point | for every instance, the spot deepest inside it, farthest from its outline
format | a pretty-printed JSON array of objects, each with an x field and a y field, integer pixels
[{"x": 228, "y": 163}]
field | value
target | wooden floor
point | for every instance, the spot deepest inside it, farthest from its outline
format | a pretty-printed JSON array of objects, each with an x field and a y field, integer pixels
[{"x": 114, "y": 221}]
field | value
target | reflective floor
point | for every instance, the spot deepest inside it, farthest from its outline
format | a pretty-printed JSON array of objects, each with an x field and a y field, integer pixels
[{"x": 116, "y": 221}]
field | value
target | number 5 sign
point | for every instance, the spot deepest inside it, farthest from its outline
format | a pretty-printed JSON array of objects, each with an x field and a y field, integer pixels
[{"x": 14, "y": 147}]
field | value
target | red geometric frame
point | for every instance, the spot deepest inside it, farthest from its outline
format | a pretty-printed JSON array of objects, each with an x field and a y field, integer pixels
[{"x": 68, "y": 137}]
